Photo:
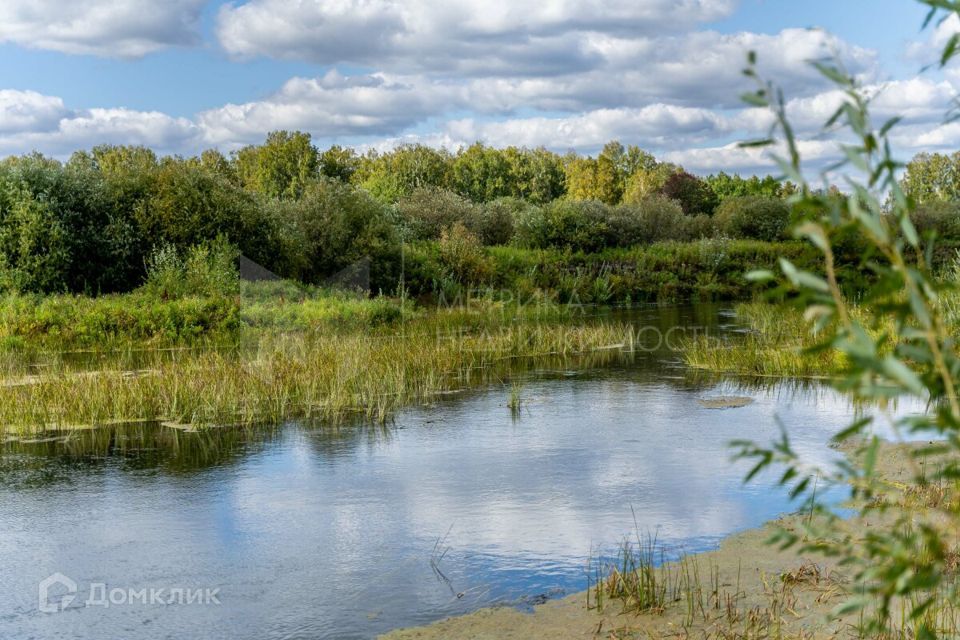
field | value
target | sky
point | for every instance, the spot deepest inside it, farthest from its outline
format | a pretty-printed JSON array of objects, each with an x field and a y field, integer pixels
[{"x": 180, "y": 76}]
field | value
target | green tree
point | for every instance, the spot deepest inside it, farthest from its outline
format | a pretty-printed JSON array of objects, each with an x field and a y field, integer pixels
[
  {"x": 932, "y": 176},
  {"x": 481, "y": 173},
  {"x": 337, "y": 225},
  {"x": 281, "y": 167},
  {"x": 756, "y": 217},
  {"x": 726, "y": 186},
  {"x": 647, "y": 181},
  {"x": 694, "y": 195},
  {"x": 393, "y": 175},
  {"x": 536, "y": 175},
  {"x": 66, "y": 212},
  {"x": 339, "y": 162}
]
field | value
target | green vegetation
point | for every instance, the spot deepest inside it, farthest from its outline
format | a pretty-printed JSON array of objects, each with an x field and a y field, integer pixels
[
  {"x": 90, "y": 225},
  {"x": 903, "y": 571}
]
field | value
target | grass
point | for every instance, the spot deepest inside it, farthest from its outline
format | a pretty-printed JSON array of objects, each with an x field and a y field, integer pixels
[
  {"x": 776, "y": 342},
  {"x": 312, "y": 375},
  {"x": 516, "y": 400}
]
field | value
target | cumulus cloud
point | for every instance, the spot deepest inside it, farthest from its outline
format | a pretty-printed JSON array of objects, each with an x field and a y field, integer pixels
[
  {"x": 467, "y": 36},
  {"x": 570, "y": 74},
  {"x": 32, "y": 121},
  {"x": 29, "y": 111},
  {"x": 656, "y": 125},
  {"x": 333, "y": 105},
  {"x": 114, "y": 28}
]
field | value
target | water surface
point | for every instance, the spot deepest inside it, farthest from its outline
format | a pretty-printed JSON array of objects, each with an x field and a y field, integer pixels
[{"x": 309, "y": 532}]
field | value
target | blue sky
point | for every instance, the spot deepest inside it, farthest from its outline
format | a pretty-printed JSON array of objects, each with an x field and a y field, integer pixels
[{"x": 183, "y": 75}]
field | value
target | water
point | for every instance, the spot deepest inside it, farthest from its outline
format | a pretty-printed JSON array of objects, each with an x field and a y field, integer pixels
[{"x": 309, "y": 533}]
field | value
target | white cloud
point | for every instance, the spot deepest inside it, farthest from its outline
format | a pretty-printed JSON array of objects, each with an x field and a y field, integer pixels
[
  {"x": 331, "y": 106},
  {"x": 656, "y": 125},
  {"x": 467, "y": 36},
  {"x": 29, "y": 111},
  {"x": 32, "y": 121},
  {"x": 113, "y": 28}
]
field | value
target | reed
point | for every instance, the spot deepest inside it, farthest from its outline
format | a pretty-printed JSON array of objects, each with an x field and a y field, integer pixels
[
  {"x": 775, "y": 341},
  {"x": 315, "y": 375}
]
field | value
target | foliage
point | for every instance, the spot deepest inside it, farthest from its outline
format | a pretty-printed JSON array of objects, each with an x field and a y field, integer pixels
[
  {"x": 653, "y": 219},
  {"x": 904, "y": 348},
  {"x": 757, "y": 217},
  {"x": 932, "y": 176},
  {"x": 659, "y": 272},
  {"x": 391, "y": 176},
  {"x": 279, "y": 168},
  {"x": 495, "y": 221},
  {"x": 58, "y": 231},
  {"x": 577, "y": 225},
  {"x": 647, "y": 181},
  {"x": 481, "y": 173},
  {"x": 726, "y": 186},
  {"x": 335, "y": 226},
  {"x": 208, "y": 270},
  {"x": 694, "y": 195},
  {"x": 428, "y": 211},
  {"x": 938, "y": 219},
  {"x": 462, "y": 255},
  {"x": 536, "y": 175},
  {"x": 338, "y": 162}
]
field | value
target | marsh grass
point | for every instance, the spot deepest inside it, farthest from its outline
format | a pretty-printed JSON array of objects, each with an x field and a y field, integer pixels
[
  {"x": 332, "y": 377},
  {"x": 701, "y": 602},
  {"x": 776, "y": 341},
  {"x": 516, "y": 401}
]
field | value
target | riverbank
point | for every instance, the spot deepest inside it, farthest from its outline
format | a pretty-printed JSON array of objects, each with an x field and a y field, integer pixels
[{"x": 746, "y": 588}]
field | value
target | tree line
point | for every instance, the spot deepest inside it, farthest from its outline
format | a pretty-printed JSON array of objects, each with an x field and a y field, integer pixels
[{"x": 91, "y": 224}]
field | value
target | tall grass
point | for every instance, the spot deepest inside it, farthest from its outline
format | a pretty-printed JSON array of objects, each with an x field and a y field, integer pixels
[
  {"x": 317, "y": 375},
  {"x": 775, "y": 340}
]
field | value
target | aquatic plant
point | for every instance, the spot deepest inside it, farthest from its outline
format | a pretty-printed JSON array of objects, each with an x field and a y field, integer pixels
[{"x": 326, "y": 376}]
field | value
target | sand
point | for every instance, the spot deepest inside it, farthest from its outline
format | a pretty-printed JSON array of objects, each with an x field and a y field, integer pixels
[{"x": 763, "y": 592}]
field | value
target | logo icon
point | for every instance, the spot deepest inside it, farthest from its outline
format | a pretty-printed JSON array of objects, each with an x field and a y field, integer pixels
[{"x": 56, "y": 593}]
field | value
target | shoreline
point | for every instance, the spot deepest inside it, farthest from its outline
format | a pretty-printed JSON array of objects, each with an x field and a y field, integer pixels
[{"x": 745, "y": 588}]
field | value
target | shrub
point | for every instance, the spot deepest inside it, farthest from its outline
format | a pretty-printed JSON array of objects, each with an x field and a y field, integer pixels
[
  {"x": 59, "y": 231},
  {"x": 700, "y": 227},
  {"x": 938, "y": 217},
  {"x": 462, "y": 256},
  {"x": 429, "y": 210},
  {"x": 753, "y": 217},
  {"x": 208, "y": 270},
  {"x": 495, "y": 223},
  {"x": 651, "y": 220},
  {"x": 337, "y": 225},
  {"x": 579, "y": 225},
  {"x": 694, "y": 195}
]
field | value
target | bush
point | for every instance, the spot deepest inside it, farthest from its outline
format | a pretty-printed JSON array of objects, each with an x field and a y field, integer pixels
[
  {"x": 700, "y": 227},
  {"x": 938, "y": 217},
  {"x": 462, "y": 256},
  {"x": 192, "y": 205},
  {"x": 428, "y": 211},
  {"x": 59, "y": 231},
  {"x": 496, "y": 220},
  {"x": 694, "y": 195},
  {"x": 651, "y": 220},
  {"x": 335, "y": 226},
  {"x": 208, "y": 270},
  {"x": 753, "y": 217},
  {"x": 579, "y": 225}
]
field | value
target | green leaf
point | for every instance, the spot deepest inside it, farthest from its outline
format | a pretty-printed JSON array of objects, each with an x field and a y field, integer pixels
[{"x": 897, "y": 370}]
